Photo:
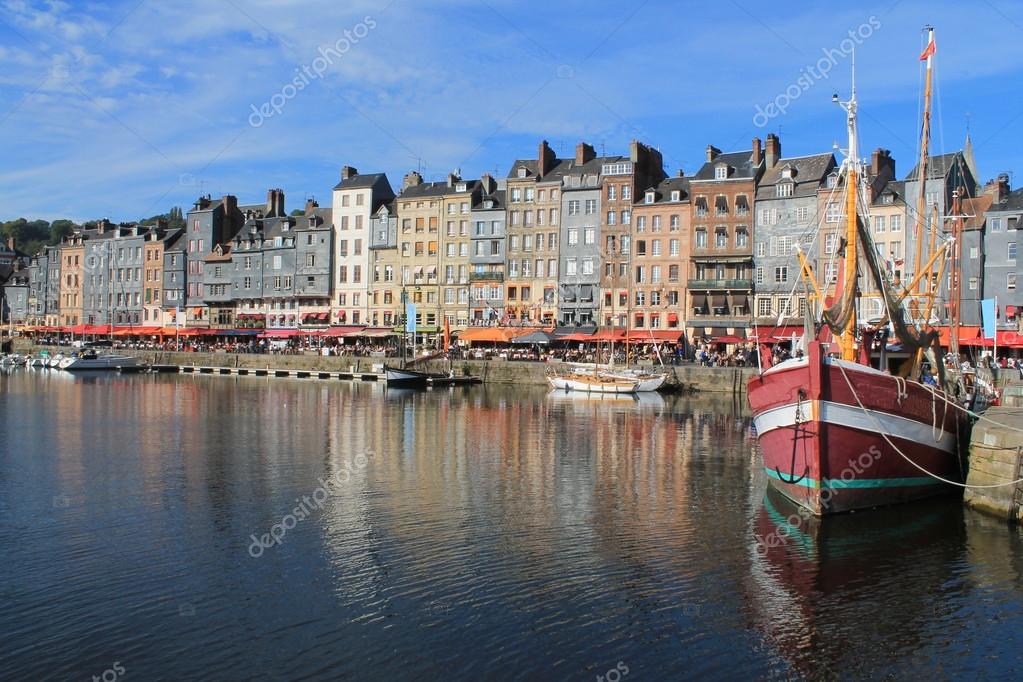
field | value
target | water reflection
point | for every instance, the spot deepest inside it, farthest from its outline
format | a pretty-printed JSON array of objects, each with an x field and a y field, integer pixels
[{"x": 491, "y": 533}]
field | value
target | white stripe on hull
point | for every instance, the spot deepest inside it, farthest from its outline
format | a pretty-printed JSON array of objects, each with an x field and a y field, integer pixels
[{"x": 853, "y": 417}]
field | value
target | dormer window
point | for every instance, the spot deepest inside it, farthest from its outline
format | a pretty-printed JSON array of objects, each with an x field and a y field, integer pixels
[
  {"x": 888, "y": 199},
  {"x": 832, "y": 181},
  {"x": 522, "y": 171},
  {"x": 460, "y": 187},
  {"x": 676, "y": 195},
  {"x": 312, "y": 221},
  {"x": 783, "y": 189},
  {"x": 721, "y": 172},
  {"x": 649, "y": 197},
  {"x": 787, "y": 172}
]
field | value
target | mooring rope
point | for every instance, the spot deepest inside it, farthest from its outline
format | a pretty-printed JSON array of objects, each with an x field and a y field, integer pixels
[{"x": 888, "y": 440}]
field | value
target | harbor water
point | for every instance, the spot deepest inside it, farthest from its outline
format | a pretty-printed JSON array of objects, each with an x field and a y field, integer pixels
[{"x": 171, "y": 527}]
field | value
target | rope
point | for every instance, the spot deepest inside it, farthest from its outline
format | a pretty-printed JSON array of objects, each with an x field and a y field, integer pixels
[{"x": 888, "y": 440}]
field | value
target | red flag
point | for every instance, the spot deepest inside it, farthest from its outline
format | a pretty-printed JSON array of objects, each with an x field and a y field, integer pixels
[{"x": 928, "y": 51}]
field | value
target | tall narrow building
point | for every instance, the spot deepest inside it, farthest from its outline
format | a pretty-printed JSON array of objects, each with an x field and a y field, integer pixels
[
  {"x": 721, "y": 266},
  {"x": 533, "y": 223},
  {"x": 356, "y": 198}
]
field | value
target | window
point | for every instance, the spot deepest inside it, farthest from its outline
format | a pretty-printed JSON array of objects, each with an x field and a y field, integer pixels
[
  {"x": 573, "y": 207},
  {"x": 802, "y": 214},
  {"x": 626, "y": 217},
  {"x": 589, "y": 236},
  {"x": 570, "y": 266},
  {"x": 781, "y": 274},
  {"x": 611, "y": 217},
  {"x": 655, "y": 247},
  {"x": 768, "y": 216},
  {"x": 657, "y": 223},
  {"x": 517, "y": 192},
  {"x": 1012, "y": 252},
  {"x": 626, "y": 192},
  {"x": 761, "y": 249},
  {"x": 974, "y": 252},
  {"x": 973, "y": 283},
  {"x": 741, "y": 237},
  {"x": 764, "y": 307},
  {"x": 896, "y": 223},
  {"x": 996, "y": 224},
  {"x": 721, "y": 172},
  {"x": 1010, "y": 281},
  {"x": 672, "y": 247},
  {"x": 879, "y": 223},
  {"x": 721, "y": 238},
  {"x": 573, "y": 237},
  {"x": 830, "y": 241},
  {"x": 783, "y": 190},
  {"x": 648, "y": 198},
  {"x": 591, "y": 206},
  {"x": 611, "y": 192},
  {"x": 832, "y": 213},
  {"x": 701, "y": 239}
]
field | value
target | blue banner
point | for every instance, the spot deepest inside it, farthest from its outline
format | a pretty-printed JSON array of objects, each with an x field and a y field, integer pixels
[
  {"x": 410, "y": 318},
  {"x": 987, "y": 314}
]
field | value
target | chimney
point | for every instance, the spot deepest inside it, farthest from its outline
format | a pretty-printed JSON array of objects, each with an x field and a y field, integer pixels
[
  {"x": 712, "y": 152},
  {"x": 681, "y": 173},
  {"x": 101, "y": 225},
  {"x": 488, "y": 183},
  {"x": 881, "y": 161},
  {"x": 310, "y": 206},
  {"x": 584, "y": 153},
  {"x": 545, "y": 159},
  {"x": 998, "y": 188},
  {"x": 758, "y": 152},
  {"x": 348, "y": 172},
  {"x": 411, "y": 179},
  {"x": 772, "y": 150},
  {"x": 453, "y": 179}
]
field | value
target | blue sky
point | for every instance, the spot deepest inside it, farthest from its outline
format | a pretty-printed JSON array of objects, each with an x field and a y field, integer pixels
[{"x": 124, "y": 109}]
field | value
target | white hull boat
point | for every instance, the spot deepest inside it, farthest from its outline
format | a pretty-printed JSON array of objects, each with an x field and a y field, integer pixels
[
  {"x": 591, "y": 384},
  {"x": 94, "y": 361}
]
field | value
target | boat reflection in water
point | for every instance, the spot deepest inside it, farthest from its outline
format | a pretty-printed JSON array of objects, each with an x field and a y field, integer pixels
[{"x": 820, "y": 589}]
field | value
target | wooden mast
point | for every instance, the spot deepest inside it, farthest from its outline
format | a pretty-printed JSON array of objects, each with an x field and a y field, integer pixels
[
  {"x": 955, "y": 271},
  {"x": 847, "y": 340},
  {"x": 921, "y": 222}
]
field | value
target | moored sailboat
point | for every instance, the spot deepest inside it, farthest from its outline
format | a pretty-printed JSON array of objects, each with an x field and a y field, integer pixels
[{"x": 835, "y": 433}]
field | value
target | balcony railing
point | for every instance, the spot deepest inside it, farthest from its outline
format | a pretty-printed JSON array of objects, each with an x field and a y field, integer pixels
[
  {"x": 720, "y": 284},
  {"x": 486, "y": 276}
]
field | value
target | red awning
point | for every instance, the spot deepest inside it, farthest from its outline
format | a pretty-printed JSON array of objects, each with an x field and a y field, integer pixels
[
  {"x": 609, "y": 335},
  {"x": 278, "y": 333},
  {"x": 336, "y": 332},
  {"x": 672, "y": 317},
  {"x": 1010, "y": 311},
  {"x": 655, "y": 336},
  {"x": 775, "y": 334}
]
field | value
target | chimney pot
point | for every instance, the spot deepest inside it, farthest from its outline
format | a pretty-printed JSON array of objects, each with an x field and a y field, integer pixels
[
  {"x": 348, "y": 172},
  {"x": 712, "y": 152}
]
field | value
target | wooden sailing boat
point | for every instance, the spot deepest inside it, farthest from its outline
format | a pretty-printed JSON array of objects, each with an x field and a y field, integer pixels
[{"x": 835, "y": 433}]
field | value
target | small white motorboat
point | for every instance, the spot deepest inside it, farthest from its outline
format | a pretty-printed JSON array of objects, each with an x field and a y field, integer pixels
[{"x": 91, "y": 360}]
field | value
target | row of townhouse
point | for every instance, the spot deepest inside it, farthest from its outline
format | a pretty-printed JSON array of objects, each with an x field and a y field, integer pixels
[{"x": 586, "y": 240}]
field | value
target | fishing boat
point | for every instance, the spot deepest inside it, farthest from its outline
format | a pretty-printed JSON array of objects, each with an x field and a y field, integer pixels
[
  {"x": 90, "y": 360},
  {"x": 837, "y": 434}
]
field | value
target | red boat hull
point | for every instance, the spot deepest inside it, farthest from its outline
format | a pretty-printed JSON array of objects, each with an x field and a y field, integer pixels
[{"x": 831, "y": 434}]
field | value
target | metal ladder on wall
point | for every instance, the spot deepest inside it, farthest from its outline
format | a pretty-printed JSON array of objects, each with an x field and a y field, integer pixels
[{"x": 1017, "y": 492}]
